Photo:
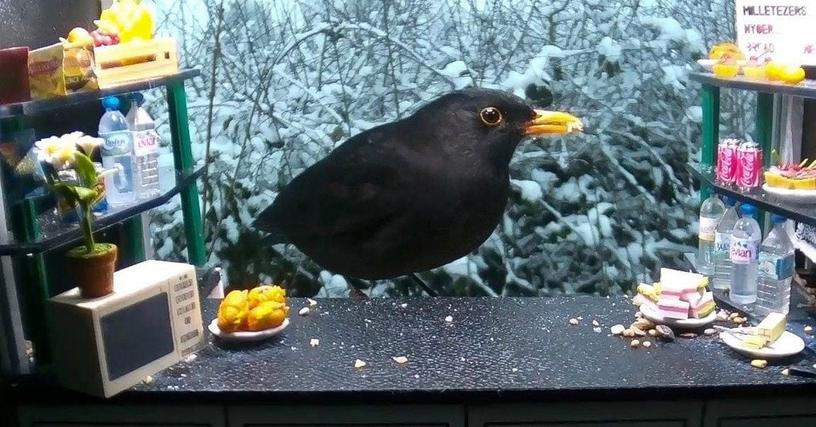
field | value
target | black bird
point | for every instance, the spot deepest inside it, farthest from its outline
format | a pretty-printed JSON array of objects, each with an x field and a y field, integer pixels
[{"x": 411, "y": 195}]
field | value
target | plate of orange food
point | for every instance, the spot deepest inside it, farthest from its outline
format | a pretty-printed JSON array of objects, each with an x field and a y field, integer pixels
[
  {"x": 792, "y": 182},
  {"x": 251, "y": 315}
]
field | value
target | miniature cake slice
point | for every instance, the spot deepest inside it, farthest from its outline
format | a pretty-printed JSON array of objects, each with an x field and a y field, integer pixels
[
  {"x": 673, "y": 308},
  {"x": 681, "y": 285},
  {"x": 701, "y": 305},
  {"x": 772, "y": 326}
]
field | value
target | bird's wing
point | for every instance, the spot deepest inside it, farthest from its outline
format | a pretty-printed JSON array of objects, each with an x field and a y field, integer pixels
[{"x": 353, "y": 190}]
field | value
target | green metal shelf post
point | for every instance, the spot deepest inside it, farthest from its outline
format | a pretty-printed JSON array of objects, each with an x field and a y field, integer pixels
[
  {"x": 183, "y": 159},
  {"x": 711, "y": 132},
  {"x": 764, "y": 135}
]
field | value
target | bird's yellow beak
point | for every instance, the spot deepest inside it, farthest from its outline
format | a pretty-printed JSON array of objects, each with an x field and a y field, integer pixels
[{"x": 551, "y": 123}]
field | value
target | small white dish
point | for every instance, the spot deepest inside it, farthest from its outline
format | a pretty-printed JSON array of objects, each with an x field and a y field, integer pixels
[
  {"x": 654, "y": 316},
  {"x": 787, "y": 345},
  {"x": 707, "y": 64},
  {"x": 800, "y": 196},
  {"x": 245, "y": 336}
]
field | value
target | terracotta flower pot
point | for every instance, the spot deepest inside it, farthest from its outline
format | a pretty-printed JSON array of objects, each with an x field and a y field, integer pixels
[{"x": 94, "y": 271}]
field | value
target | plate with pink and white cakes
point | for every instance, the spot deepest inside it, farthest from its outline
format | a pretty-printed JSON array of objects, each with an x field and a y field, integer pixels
[{"x": 680, "y": 300}]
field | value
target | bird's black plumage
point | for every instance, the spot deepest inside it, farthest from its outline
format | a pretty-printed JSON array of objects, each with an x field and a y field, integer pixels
[{"x": 407, "y": 196}]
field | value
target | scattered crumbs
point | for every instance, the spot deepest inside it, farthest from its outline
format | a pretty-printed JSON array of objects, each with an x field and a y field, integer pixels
[
  {"x": 367, "y": 320},
  {"x": 786, "y": 372},
  {"x": 359, "y": 364},
  {"x": 595, "y": 323},
  {"x": 462, "y": 359},
  {"x": 759, "y": 363},
  {"x": 449, "y": 319},
  {"x": 809, "y": 330},
  {"x": 293, "y": 348},
  {"x": 314, "y": 342},
  {"x": 304, "y": 311},
  {"x": 191, "y": 358},
  {"x": 514, "y": 369},
  {"x": 312, "y": 302},
  {"x": 647, "y": 344},
  {"x": 147, "y": 380},
  {"x": 183, "y": 375},
  {"x": 710, "y": 331},
  {"x": 634, "y": 343},
  {"x": 617, "y": 329},
  {"x": 403, "y": 305},
  {"x": 416, "y": 375},
  {"x": 400, "y": 359},
  {"x": 597, "y": 330},
  {"x": 573, "y": 321},
  {"x": 580, "y": 318}
]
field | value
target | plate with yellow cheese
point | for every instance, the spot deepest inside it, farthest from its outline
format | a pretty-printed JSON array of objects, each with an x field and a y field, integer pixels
[
  {"x": 767, "y": 340},
  {"x": 251, "y": 315}
]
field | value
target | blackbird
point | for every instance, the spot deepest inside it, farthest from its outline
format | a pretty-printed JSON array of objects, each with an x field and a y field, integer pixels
[{"x": 414, "y": 194}]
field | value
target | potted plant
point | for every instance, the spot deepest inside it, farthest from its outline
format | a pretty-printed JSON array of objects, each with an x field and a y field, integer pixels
[{"x": 71, "y": 174}]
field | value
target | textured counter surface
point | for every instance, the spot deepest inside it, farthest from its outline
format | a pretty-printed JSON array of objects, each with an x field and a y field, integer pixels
[{"x": 493, "y": 348}]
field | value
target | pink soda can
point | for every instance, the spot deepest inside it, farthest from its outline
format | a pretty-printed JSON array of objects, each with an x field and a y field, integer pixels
[
  {"x": 749, "y": 156},
  {"x": 727, "y": 163}
]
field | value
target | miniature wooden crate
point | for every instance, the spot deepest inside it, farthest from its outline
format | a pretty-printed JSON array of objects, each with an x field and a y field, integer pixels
[{"x": 140, "y": 60}]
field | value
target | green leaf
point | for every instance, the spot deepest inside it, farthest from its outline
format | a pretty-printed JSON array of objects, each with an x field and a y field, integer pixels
[
  {"x": 68, "y": 192},
  {"x": 86, "y": 196},
  {"x": 86, "y": 170}
]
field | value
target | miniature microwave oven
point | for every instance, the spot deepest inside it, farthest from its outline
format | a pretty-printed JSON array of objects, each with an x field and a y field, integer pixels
[{"x": 151, "y": 321}]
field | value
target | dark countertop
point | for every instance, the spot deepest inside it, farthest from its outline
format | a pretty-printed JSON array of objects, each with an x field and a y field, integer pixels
[{"x": 507, "y": 348}]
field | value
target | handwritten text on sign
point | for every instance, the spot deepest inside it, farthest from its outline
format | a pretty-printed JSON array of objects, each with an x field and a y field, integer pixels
[{"x": 780, "y": 30}]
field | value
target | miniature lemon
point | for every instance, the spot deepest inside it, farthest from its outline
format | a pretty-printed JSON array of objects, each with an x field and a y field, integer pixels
[
  {"x": 773, "y": 71},
  {"x": 80, "y": 37},
  {"x": 725, "y": 70},
  {"x": 266, "y": 293},
  {"x": 792, "y": 74},
  {"x": 268, "y": 314},
  {"x": 232, "y": 313}
]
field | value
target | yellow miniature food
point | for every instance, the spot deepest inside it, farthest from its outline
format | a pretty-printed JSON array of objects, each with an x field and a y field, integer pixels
[
  {"x": 773, "y": 71},
  {"x": 792, "y": 74},
  {"x": 268, "y": 314},
  {"x": 80, "y": 37},
  {"x": 131, "y": 19},
  {"x": 754, "y": 341},
  {"x": 725, "y": 49},
  {"x": 232, "y": 313},
  {"x": 725, "y": 70},
  {"x": 754, "y": 72},
  {"x": 772, "y": 326},
  {"x": 266, "y": 293}
]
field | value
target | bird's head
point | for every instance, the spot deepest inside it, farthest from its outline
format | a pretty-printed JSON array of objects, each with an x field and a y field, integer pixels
[{"x": 498, "y": 121}]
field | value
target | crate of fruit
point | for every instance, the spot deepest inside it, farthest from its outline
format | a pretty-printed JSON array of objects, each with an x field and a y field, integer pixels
[{"x": 137, "y": 60}]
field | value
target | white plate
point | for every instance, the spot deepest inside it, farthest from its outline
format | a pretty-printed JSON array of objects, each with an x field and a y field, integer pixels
[
  {"x": 707, "y": 64},
  {"x": 801, "y": 196},
  {"x": 649, "y": 313},
  {"x": 245, "y": 336},
  {"x": 787, "y": 345}
]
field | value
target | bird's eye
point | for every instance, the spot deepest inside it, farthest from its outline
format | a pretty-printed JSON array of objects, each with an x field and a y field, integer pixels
[{"x": 491, "y": 116}]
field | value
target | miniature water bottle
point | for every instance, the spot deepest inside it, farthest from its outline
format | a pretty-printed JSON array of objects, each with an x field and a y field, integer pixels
[
  {"x": 721, "y": 277},
  {"x": 711, "y": 211},
  {"x": 117, "y": 152},
  {"x": 775, "y": 271},
  {"x": 145, "y": 150},
  {"x": 744, "y": 250}
]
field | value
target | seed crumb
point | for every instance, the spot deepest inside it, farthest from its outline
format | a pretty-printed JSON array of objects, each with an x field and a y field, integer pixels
[
  {"x": 809, "y": 330},
  {"x": 595, "y": 323},
  {"x": 573, "y": 321},
  {"x": 514, "y": 369},
  {"x": 710, "y": 331},
  {"x": 304, "y": 311},
  {"x": 617, "y": 329},
  {"x": 688, "y": 335},
  {"x": 314, "y": 342},
  {"x": 759, "y": 363},
  {"x": 403, "y": 305},
  {"x": 647, "y": 344},
  {"x": 148, "y": 380},
  {"x": 597, "y": 330},
  {"x": 786, "y": 372},
  {"x": 312, "y": 302},
  {"x": 634, "y": 343},
  {"x": 359, "y": 364},
  {"x": 400, "y": 359},
  {"x": 652, "y": 332},
  {"x": 449, "y": 319}
]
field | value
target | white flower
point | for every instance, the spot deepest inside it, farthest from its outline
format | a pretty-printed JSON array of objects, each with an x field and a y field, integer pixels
[
  {"x": 58, "y": 152},
  {"x": 89, "y": 144}
]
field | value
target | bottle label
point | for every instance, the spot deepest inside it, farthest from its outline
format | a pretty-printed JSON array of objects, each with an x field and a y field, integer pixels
[
  {"x": 145, "y": 142},
  {"x": 707, "y": 227},
  {"x": 117, "y": 143},
  {"x": 774, "y": 267},
  {"x": 743, "y": 251},
  {"x": 722, "y": 242}
]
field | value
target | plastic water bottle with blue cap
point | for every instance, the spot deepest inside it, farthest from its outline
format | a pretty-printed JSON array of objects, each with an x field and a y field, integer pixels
[
  {"x": 145, "y": 149},
  {"x": 117, "y": 152},
  {"x": 744, "y": 251},
  {"x": 723, "y": 268},
  {"x": 775, "y": 270}
]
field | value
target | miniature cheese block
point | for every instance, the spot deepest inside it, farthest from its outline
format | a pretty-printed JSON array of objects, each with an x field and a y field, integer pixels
[
  {"x": 755, "y": 341},
  {"x": 702, "y": 306},
  {"x": 671, "y": 308},
  {"x": 772, "y": 326}
]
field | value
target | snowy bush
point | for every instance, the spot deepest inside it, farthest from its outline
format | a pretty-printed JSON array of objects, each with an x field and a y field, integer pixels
[{"x": 284, "y": 82}]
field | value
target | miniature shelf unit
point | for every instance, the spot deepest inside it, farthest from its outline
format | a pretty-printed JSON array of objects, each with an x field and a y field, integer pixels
[
  {"x": 766, "y": 92},
  {"x": 32, "y": 240}
]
